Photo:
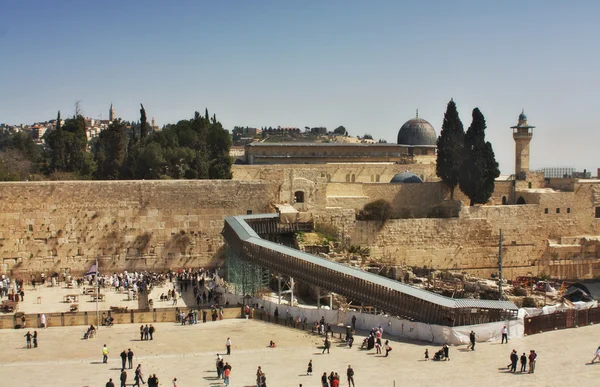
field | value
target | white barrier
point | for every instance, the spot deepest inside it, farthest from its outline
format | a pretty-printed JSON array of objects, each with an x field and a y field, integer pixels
[{"x": 436, "y": 334}]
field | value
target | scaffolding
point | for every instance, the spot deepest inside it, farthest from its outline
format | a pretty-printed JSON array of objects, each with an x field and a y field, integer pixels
[{"x": 246, "y": 277}]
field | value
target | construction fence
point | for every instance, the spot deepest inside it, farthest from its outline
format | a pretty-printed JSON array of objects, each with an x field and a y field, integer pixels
[{"x": 571, "y": 318}]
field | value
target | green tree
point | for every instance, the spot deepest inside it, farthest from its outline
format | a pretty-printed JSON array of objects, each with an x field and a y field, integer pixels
[
  {"x": 76, "y": 147},
  {"x": 111, "y": 151},
  {"x": 57, "y": 160},
  {"x": 340, "y": 130},
  {"x": 144, "y": 126},
  {"x": 479, "y": 167},
  {"x": 450, "y": 145}
]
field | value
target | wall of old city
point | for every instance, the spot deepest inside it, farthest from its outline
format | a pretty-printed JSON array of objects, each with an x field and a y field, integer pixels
[{"x": 129, "y": 225}]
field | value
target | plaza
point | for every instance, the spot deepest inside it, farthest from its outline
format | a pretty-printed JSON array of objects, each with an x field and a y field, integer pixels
[{"x": 188, "y": 353}]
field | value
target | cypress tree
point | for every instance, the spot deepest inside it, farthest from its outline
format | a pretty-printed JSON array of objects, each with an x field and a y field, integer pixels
[
  {"x": 144, "y": 129},
  {"x": 450, "y": 145},
  {"x": 58, "y": 149},
  {"x": 479, "y": 167}
]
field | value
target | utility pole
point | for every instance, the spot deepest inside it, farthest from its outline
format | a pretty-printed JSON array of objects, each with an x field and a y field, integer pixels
[{"x": 500, "y": 297}]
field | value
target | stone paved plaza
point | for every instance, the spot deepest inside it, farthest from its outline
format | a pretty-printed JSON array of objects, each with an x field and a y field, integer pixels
[{"x": 188, "y": 353}]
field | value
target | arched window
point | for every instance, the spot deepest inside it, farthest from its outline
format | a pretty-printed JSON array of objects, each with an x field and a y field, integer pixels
[
  {"x": 503, "y": 199},
  {"x": 348, "y": 178},
  {"x": 377, "y": 178},
  {"x": 353, "y": 178},
  {"x": 299, "y": 197},
  {"x": 529, "y": 184},
  {"x": 520, "y": 200}
]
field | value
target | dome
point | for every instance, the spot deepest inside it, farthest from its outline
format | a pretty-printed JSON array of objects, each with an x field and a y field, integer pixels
[
  {"x": 406, "y": 177},
  {"x": 522, "y": 116},
  {"x": 417, "y": 132}
]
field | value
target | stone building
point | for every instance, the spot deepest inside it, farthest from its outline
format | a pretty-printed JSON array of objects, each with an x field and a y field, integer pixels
[{"x": 416, "y": 145}]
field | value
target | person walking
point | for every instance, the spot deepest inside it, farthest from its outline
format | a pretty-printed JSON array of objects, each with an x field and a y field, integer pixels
[
  {"x": 228, "y": 346},
  {"x": 327, "y": 345},
  {"x": 523, "y": 362},
  {"x": 123, "y": 359},
  {"x": 28, "y": 339},
  {"x": 514, "y": 358},
  {"x": 139, "y": 377},
  {"x": 350, "y": 375},
  {"x": 596, "y": 356},
  {"x": 309, "y": 369},
  {"x": 472, "y": 340},
  {"x": 130, "y": 358},
  {"x": 123, "y": 378},
  {"x": 504, "y": 335},
  {"x": 104, "y": 354}
]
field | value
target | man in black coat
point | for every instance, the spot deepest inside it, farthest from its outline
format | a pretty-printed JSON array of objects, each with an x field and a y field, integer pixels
[
  {"x": 110, "y": 383},
  {"x": 130, "y": 358},
  {"x": 472, "y": 339},
  {"x": 123, "y": 359},
  {"x": 514, "y": 358},
  {"x": 123, "y": 377}
]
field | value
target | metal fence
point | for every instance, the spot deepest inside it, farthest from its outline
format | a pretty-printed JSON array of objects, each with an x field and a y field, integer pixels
[{"x": 560, "y": 320}]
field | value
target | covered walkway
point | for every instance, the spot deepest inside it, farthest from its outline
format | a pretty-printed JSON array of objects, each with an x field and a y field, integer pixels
[{"x": 393, "y": 297}]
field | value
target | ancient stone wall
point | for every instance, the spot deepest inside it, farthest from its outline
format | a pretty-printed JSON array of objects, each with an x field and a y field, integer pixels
[
  {"x": 470, "y": 243},
  {"x": 129, "y": 225}
]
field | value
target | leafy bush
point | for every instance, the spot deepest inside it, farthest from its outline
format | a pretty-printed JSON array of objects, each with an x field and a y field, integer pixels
[{"x": 378, "y": 210}]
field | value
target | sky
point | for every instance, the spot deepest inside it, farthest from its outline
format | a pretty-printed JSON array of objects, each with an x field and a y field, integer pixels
[{"x": 367, "y": 65}]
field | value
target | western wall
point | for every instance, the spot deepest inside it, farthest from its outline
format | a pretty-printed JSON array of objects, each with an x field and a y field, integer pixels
[{"x": 129, "y": 225}]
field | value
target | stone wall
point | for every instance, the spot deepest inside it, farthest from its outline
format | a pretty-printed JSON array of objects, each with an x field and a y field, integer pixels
[
  {"x": 129, "y": 225},
  {"x": 535, "y": 237}
]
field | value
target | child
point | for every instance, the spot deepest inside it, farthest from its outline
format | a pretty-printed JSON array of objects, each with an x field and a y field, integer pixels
[
  {"x": 426, "y": 354},
  {"x": 309, "y": 369}
]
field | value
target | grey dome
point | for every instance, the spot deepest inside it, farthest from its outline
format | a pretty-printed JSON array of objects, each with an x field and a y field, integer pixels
[
  {"x": 417, "y": 132},
  {"x": 406, "y": 177}
]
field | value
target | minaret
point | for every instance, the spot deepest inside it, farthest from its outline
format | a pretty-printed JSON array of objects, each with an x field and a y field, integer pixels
[
  {"x": 111, "y": 113},
  {"x": 522, "y": 134},
  {"x": 153, "y": 124}
]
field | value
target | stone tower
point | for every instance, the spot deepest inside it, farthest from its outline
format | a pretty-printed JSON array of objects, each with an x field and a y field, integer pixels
[
  {"x": 111, "y": 113},
  {"x": 522, "y": 133}
]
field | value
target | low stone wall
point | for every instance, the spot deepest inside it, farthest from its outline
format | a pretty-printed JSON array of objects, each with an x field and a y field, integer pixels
[{"x": 11, "y": 321}]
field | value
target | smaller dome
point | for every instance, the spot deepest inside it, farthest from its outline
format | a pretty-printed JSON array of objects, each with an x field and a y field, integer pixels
[
  {"x": 406, "y": 177},
  {"x": 522, "y": 116}
]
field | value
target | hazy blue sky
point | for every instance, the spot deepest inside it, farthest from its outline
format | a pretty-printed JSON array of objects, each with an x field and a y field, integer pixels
[{"x": 367, "y": 65}]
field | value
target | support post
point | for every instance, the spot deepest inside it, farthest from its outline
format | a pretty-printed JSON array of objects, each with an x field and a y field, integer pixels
[
  {"x": 291, "y": 291},
  {"x": 279, "y": 289},
  {"x": 318, "y": 298}
]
